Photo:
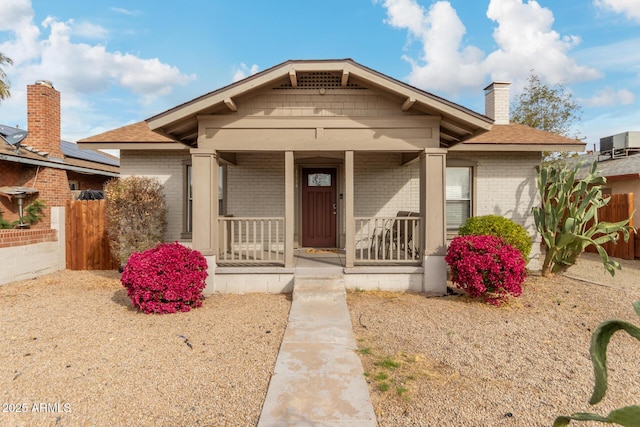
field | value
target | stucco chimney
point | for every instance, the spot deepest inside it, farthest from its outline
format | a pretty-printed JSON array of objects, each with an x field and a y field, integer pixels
[
  {"x": 496, "y": 102},
  {"x": 43, "y": 118}
]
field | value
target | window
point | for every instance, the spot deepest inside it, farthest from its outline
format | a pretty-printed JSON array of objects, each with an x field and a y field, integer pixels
[
  {"x": 188, "y": 223},
  {"x": 189, "y": 201},
  {"x": 458, "y": 197}
]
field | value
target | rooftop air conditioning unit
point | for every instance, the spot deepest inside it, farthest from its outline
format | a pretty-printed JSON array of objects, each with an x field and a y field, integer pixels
[{"x": 620, "y": 141}]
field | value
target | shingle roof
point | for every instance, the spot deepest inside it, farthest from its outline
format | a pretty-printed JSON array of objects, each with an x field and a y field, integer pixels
[
  {"x": 520, "y": 134},
  {"x": 137, "y": 132},
  {"x": 613, "y": 169},
  {"x": 73, "y": 156}
]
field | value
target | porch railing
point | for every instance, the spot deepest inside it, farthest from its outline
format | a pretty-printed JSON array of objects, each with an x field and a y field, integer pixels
[
  {"x": 245, "y": 240},
  {"x": 387, "y": 240}
]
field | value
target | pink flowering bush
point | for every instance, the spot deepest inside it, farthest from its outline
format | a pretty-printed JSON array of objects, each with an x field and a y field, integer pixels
[
  {"x": 165, "y": 279},
  {"x": 486, "y": 267}
]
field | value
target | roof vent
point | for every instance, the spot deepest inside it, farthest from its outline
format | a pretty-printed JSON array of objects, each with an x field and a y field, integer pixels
[{"x": 46, "y": 83}]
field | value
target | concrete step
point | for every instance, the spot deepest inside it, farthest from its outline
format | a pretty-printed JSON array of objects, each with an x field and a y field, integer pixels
[{"x": 318, "y": 288}]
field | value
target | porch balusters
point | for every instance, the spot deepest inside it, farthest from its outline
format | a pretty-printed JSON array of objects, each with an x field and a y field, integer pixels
[
  {"x": 251, "y": 241},
  {"x": 387, "y": 240}
]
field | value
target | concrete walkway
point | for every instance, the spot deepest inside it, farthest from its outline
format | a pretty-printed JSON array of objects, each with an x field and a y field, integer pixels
[{"x": 318, "y": 378}]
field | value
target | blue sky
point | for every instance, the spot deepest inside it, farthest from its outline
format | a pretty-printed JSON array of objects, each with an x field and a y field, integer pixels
[{"x": 119, "y": 62}]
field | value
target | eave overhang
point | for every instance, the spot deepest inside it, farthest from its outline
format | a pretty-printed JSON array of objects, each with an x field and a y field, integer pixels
[{"x": 181, "y": 123}]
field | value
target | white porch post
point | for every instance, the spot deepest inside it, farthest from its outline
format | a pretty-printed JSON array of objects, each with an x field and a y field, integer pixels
[
  {"x": 289, "y": 210},
  {"x": 204, "y": 164},
  {"x": 350, "y": 226},
  {"x": 433, "y": 225}
]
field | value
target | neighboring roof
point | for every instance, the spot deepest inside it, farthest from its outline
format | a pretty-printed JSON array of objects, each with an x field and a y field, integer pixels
[
  {"x": 84, "y": 161},
  {"x": 457, "y": 122},
  {"x": 521, "y": 135},
  {"x": 613, "y": 169},
  {"x": 69, "y": 149}
]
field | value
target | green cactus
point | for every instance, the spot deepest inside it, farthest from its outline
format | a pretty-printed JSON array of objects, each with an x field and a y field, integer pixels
[
  {"x": 629, "y": 416},
  {"x": 567, "y": 218}
]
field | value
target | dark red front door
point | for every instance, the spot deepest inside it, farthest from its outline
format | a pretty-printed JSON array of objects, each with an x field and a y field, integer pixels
[{"x": 319, "y": 208}]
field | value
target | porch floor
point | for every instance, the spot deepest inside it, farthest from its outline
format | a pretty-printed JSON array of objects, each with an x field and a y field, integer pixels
[{"x": 319, "y": 262}]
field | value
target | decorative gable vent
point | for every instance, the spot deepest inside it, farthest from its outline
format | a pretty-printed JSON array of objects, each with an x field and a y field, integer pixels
[{"x": 318, "y": 80}]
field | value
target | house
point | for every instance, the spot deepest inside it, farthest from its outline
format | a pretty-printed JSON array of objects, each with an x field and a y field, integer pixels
[
  {"x": 36, "y": 163},
  {"x": 326, "y": 154}
]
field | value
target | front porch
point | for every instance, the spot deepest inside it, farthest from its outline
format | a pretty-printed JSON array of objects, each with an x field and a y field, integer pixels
[
  {"x": 307, "y": 262},
  {"x": 383, "y": 212}
]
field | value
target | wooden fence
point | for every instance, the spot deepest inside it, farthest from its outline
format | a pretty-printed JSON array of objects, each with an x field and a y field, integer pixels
[
  {"x": 87, "y": 245},
  {"x": 619, "y": 208}
]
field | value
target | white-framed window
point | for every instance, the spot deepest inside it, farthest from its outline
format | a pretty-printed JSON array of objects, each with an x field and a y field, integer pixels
[
  {"x": 74, "y": 185},
  {"x": 188, "y": 203},
  {"x": 459, "y": 191},
  {"x": 189, "y": 200}
]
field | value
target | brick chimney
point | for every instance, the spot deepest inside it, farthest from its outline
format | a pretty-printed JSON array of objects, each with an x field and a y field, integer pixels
[
  {"x": 496, "y": 102},
  {"x": 43, "y": 118},
  {"x": 43, "y": 127}
]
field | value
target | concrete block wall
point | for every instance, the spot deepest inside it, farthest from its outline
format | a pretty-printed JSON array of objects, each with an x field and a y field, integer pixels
[
  {"x": 44, "y": 257},
  {"x": 255, "y": 185},
  {"x": 383, "y": 186},
  {"x": 505, "y": 185},
  {"x": 168, "y": 166}
]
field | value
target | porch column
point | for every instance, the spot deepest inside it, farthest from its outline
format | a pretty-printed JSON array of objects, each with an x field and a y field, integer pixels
[
  {"x": 350, "y": 226},
  {"x": 204, "y": 164},
  {"x": 433, "y": 226},
  {"x": 289, "y": 208}
]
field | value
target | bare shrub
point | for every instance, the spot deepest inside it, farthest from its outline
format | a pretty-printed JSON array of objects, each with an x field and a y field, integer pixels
[{"x": 136, "y": 215}]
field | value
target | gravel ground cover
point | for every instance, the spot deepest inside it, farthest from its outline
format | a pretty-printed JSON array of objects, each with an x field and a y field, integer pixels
[
  {"x": 75, "y": 353},
  {"x": 453, "y": 361}
]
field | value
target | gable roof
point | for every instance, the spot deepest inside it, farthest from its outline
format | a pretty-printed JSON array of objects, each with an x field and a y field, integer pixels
[
  {"x": 457, "y": 122},
  {"x": 75, "y": 159},
  {"x": 461, "y": 129}
]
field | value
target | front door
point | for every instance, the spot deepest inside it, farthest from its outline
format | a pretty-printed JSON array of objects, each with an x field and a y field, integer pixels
[{"x": 319, "y": 209}]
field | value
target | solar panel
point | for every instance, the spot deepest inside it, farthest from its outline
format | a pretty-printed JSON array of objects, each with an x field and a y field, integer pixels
[{"x": 71, "y": 149}]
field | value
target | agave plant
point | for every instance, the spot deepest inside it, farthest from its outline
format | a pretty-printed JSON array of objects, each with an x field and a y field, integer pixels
[
  {"x": 629, "y": 416},
  {"x": 567, "y": 218}
]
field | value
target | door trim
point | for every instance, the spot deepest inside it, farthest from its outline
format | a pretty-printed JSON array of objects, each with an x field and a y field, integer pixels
[{"x": 336, "y": 184}]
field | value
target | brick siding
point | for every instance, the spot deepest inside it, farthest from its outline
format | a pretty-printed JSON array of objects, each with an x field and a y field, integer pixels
[{"x": 12, "y": 238}]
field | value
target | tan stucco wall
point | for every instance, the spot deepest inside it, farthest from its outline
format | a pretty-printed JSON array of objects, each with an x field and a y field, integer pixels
[{"x": 169, "y": 168}]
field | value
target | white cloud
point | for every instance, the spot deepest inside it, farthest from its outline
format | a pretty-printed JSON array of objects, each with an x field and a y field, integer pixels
[
  {"x": 124, "y": 11},
  {"x": 629, "y": 8},
  {"x": 609, "y": 96},
  {"x": 523, "y": 34},
  {"x": 244, "y": 71},
  {"x": 527, "y": 41},
  {"x": 445, "y": 64},
  {"x": 88, "y": 30},
  {"x": 78, "y": 70}
]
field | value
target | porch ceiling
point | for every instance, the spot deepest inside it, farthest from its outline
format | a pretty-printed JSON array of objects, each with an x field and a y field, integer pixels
[{"x": 457, "y": 122}]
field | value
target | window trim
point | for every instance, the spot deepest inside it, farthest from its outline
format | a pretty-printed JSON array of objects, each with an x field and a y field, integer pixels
[
  {"x": 472, "y": 166},
  {"x": 187, "y": 202}
]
